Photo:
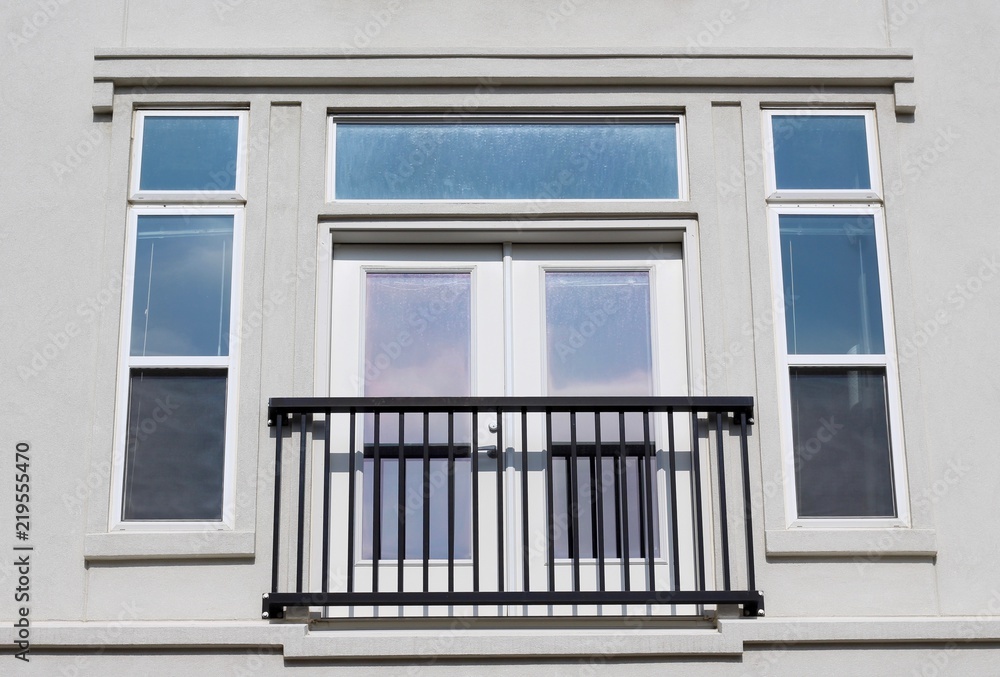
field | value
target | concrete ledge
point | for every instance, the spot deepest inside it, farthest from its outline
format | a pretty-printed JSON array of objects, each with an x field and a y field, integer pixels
[
  {"x": 230, "y": 68},
  {"x": 370, "y": 643},
  {"x": 135, "y": 545},
  {"x": 860, "y": 544}
]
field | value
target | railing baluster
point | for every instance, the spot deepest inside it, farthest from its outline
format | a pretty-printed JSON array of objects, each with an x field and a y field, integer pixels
[
  {"x": 400, "y": 504},
  {"x": 427, "y": 501},
  {"x": 300, "y": 546},
  {"x": 377, "y": 505},
  {"x": 276, "y": 526},
  {"x": 549, "y": 503},
  {"x": 451, "y": 501},
  {"x": 674, "y": 538},
  {"x": 500, "y": 516},
  {"x": 326, "y": 504},
  {"x": 351, "y": 496},
  {"x": 525, "y": 551},
  {"x": 650, "y": 469},
  {"x": 623, "y": 479},
  {"x": 475, "y": 501},
  {"x": 699, "y": 529},
  {"x": 723, "y": 511},
  {"x": 747, "y": 505},
  {"x": 574, "y": 502},
  {"x": 597, "y": 486}
]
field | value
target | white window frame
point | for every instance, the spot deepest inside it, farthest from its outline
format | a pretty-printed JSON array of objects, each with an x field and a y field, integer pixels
[
  {"x": 196, "y": 202},
  {"x": 886, "y": 361},
  {"x": 129, "y": 362},
  {"x": 185, "y": 196},
  {"x": 512, "y": 118},
  {"x": 838, "y": 195}
]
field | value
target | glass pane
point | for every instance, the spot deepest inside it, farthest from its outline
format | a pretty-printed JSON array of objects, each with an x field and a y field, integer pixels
[
  {"x": 181, "y": 290},
  {"x": 599, "y": 342},
  {"x": 189, "y": 152},
  {"x": 633, "y": 503},
  {"x": 830, "y": 270},
  {"x": 598, "y": 333},
  {"x": 437, "y": 475},
  {"x": 822, "y": 152},
  {"x": 175, "y": 449},
  {"x": 490, "y": 161},
  {"x": 418, "y": 343},
  {"x": 843, "y": 464}
]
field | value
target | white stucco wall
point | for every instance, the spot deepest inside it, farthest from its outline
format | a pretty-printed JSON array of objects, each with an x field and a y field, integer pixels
[{"x": 62, "y": 200}]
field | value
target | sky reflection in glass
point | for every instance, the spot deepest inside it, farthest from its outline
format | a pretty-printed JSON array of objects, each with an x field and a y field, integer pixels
[
  {"x": 820, "y": 152},
  {"x": 491, "y": 161},
  {"x": 831, "y": 284},
  {"x": 189, "y": 152}
]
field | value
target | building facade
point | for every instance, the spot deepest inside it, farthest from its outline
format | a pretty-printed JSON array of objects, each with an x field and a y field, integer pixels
[{"x": 450, "y": 338}]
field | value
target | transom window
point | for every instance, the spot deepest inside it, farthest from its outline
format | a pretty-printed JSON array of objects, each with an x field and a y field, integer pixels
[
  {"x": 820, "y": 154},
  {"x": 520, "y": 158}
]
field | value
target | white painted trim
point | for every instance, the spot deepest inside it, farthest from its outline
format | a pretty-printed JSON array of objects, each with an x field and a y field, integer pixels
[
  {"x": 887, "y": 360},
  {"x": 196, "y": 196},
  {"x": 839, "y": 195},
  {"x": 128, "y": 362},
  {"x": 445, "y": 119}
]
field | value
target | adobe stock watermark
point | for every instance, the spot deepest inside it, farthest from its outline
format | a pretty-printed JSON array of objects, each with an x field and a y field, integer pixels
[
  {"x": 922, "y": 500},
  {"x": 428, "y": 314},
  {"x": 76, "y": 153},
  {"x": 562, "y": 11},
  {"x": 915, "y": 166},
  {"x": 97, "y": 479},
  {"x": 899, "y": 13},
  {"x": 712, "y": 30},
  {"x": 957, "y": 298},
  {"x": 56, "y": 342},
  {"x": 578, "y": 336},
  {"x": 378, "y": 21},
  {"x": 34, "y": 22}
]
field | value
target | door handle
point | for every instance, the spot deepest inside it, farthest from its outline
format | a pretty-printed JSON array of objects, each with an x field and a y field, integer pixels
[{"x": 490, "y": 449}]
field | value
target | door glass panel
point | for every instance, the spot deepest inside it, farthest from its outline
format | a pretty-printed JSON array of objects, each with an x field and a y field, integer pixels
[
  {"x": 417, "y": 343},
  {"x": 598, "y": 333}
]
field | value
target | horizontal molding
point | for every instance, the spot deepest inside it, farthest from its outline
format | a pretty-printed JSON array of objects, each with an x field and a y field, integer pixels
[
  {"x": 863, "y": 545},
  {"x": 231, "y": 68},
  {"x": 389, "y": 640},
  {"x": 142, "y": 545}
]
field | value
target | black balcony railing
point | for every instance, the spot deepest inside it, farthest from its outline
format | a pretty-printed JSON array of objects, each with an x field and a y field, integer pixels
[{"x": 591, "y": 501}]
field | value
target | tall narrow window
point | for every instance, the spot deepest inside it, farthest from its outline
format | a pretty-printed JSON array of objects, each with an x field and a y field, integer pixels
[
  {"x": 843, "y": 448},
  {"x": 176, "y": 392}
]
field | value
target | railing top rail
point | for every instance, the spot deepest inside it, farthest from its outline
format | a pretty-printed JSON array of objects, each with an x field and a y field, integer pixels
[{"x": 278, "y": 406}]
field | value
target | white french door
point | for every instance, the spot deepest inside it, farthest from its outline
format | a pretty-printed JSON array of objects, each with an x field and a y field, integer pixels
[{"x": 514, "y": 320}]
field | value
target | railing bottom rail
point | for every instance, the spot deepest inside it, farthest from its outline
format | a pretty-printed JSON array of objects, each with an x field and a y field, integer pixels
[{"x": 275, "y": 603}]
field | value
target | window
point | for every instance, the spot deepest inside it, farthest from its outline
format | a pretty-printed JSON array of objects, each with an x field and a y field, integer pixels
[
  {"x": 843, "y": 453},
  {"x": 177, "y": 393},
  {"x": 478, "y": 158}
]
